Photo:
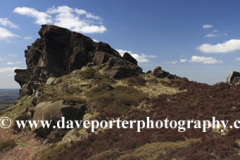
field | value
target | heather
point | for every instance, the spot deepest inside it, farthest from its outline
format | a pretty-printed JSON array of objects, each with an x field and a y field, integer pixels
[{"x": 200, "y": 102}]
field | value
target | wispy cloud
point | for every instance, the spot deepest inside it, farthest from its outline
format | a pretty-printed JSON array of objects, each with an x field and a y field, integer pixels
[
  {"x": 139, "y": 58},
  {"x": 211, "y": 35},
  {"x": 95, "y": 40},
  {"x": 152, "y": 56},
  {"x": 216, "y": 34},
  {"x": 27, "y": 37},
  {"x": 205, "y": 60},
  {"x": 183, "y": 60},
  {"x": 7, "y": 69},
  {"x": 207, "y": 26},
  {"x": 228, "y": 46},
  {"x": 74, "y": 19},
  {"x": 170, "y": 62},
  {"x": 6, "y": 34},
  {"x": 237, "y": 59},
  {"x": 12, "y": 63},
  {"x": 12, "y": 55},
  {"x": 88, "y": 15},
  {"x": 41, "y": 17},
  {"x": 5, "y": 22}
]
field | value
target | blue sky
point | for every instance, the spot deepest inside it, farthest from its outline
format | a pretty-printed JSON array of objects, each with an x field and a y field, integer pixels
[{"x": 199, "y": 40}]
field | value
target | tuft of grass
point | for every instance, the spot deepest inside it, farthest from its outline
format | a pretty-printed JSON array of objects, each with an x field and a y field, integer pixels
[
  {"x": 22, "y": 144},
  {"x": 135, "y": 81},
  {"x": 152, "y": 151},
  {"x": 51, "y": 151},
  {"x": 89, "y": 73}
]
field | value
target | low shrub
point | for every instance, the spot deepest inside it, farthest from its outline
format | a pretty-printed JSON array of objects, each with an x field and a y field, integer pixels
[
  {"x": 135, "y": 81},
  {"x": 51, "y": 152},
  {"x": 89, "y": 73},
  {"x": 56, "y": 136},
  {"x": 7, "y": 144}
]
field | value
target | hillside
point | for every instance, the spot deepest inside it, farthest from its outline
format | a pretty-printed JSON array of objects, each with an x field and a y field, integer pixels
[{"x": 70, "y": 75}]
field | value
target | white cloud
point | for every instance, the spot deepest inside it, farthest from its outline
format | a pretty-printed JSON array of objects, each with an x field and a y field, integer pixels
[
  {"x": 237, "y": 59},
  {"x": 183, "y": 60},
  {"x": 121, "y": 52},
  {"x": 211, "y": 35},
  {"x": 170, "y": 62},
  {"x": 66, "y": 17},
  {"x": 10, "y": 75},
  {"x": 139, "y": 58},
  {"x": 7, "y": 69},
  {"x": 12, "y": 55},
  {"x": 27, "y": 37},
  {"x": 41, "y": 17},
  {"x": 6, "y": 22},
  {"x": 12, "y": 63},
  {"x": 95, "y": 40},
  {"x": 216, "y": 35},
  {"x": 152, "y": 56},
  {"x": 215, "y": 31},
  {"x": 69, "y": 18},
  {"x": 207, "y": 26},
  {"x": 228, "y": 46},
  {"x": 224, "y": 34},
  {"x": 88, "y": 15},
  {"x": 5, "y": 34},
  {"x": 205, "y": 60}
]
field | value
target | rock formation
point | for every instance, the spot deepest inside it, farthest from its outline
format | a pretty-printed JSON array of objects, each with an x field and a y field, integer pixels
[
  {"x": 159, "y": 73},
  {"x": 60, "y": 51},
  {"x": 233, "y": 78}
]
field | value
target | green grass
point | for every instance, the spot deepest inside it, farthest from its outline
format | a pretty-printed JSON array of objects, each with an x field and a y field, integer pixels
[{"x": 22, "y": 144}]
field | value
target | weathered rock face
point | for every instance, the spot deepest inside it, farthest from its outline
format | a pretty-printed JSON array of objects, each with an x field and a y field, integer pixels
[
  {"x": 233, "y": 77},
  {"x": 129, "y": 58},
  {"x": 60, "y": 51}
]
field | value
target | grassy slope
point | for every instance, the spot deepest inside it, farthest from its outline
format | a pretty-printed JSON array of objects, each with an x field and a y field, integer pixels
[{"x": 136, "y": 98}]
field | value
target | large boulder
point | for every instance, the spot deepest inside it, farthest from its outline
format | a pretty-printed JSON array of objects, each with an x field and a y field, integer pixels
[
  {"x": 54, "y": 112},
  {"x": 159, "y": 73},
  {"x": 118, "y": 68},
  {"x": 232, "y": 75}
]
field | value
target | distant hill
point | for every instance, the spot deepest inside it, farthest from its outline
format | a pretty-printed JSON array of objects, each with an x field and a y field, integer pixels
[{"x": 7, "y": 97}]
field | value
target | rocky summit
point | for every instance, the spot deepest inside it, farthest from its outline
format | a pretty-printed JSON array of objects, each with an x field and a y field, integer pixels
[{"x": 59, "y": 51}]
